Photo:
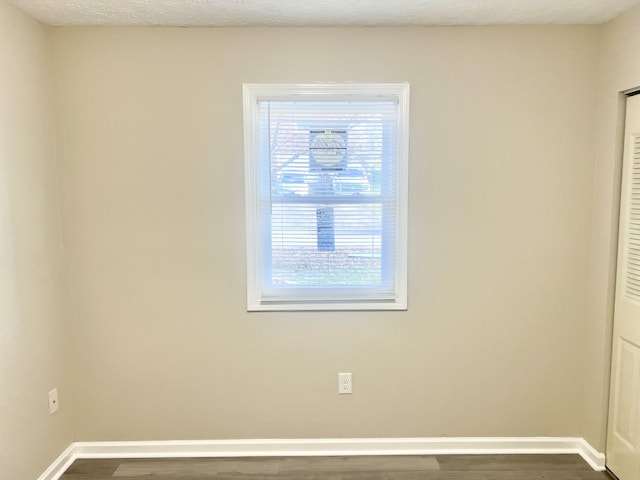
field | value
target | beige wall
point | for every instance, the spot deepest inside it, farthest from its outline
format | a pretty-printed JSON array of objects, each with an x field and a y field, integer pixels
[
  {"x": 512, "y": 237},
  {"x": 33, "y": 335},
  {"x": 619, "y": 72},
  {"x": 501, "y": 176}
]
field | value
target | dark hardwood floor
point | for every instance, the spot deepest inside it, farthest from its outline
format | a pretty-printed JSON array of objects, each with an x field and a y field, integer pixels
[{"x": 438, "y": 467}]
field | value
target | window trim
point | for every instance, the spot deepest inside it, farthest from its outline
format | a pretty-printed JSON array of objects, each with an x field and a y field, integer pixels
[{"x": 252, "y": 93}]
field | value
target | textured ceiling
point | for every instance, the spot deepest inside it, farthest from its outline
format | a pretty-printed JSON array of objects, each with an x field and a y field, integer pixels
[{"x": 321, "y": 13}]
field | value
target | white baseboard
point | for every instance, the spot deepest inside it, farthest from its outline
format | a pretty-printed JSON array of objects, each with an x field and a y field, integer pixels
[
  {"x": 60, "y": 464},
  {"x": 593, "y": 457},
  {"x": 328, "y": 447}
]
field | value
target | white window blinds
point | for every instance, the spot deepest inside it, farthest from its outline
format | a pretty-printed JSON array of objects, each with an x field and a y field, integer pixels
[{"x": 326, "y": 198}]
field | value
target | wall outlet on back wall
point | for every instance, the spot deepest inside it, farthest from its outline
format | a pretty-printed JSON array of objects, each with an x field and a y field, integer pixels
[{"x": 345, "y": 384}]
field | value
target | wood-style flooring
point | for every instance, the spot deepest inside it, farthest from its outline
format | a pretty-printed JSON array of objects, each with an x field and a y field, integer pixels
[{"x": 438, "y": 467}]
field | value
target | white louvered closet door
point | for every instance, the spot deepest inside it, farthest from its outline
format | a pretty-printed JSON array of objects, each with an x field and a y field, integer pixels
[{"x": 623, "y": 436}]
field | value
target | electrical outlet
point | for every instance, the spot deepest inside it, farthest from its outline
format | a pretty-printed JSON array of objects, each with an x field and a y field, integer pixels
[
  {"x": 345, "y": 384},
  {"x": 53, "y": 401}
]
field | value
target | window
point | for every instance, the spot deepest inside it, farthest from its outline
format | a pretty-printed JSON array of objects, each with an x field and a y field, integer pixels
[{"x": 326, "y": 196}]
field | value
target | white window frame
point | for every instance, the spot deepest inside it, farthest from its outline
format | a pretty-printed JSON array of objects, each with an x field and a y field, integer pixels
[{"x": 252, "y": 94}]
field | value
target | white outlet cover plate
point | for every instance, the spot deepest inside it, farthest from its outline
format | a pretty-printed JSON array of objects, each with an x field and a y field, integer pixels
[
  {"x": 345, "y": 383},
  {"x": 53, "y": 401}
]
